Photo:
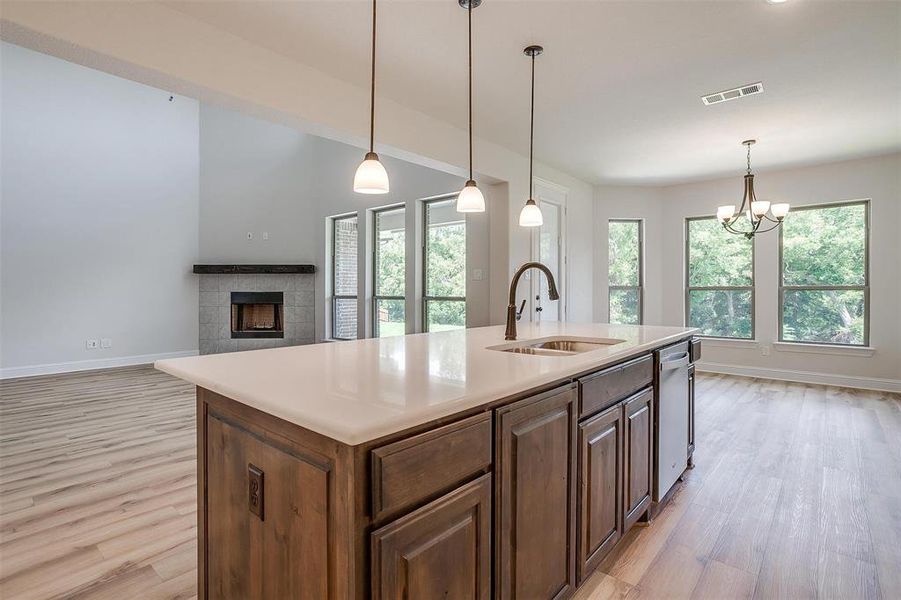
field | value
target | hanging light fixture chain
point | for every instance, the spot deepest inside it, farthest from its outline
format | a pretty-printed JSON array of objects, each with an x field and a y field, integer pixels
[
  {"x": 531, "y": 125},
  {"x": 469, "y": 12},
  {"x": 749, "y": 159},
  {"x": 372, "y": 87}
]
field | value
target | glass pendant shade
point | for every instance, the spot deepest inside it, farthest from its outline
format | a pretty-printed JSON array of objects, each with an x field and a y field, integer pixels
[
  {"x": 470, "y": 198},
  {"x": 724, "y": 213},
  {"x": 371, "y": 177},
  {"x": 530, "y": 215},
  {"x": 780, "y": 210},
  {"x": 759, "y": 207}
]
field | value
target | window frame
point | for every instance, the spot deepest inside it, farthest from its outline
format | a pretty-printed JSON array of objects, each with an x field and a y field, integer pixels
[
  {"x": 865, "y": 288},
  {"x": 335, "y": 296},
  {"x": 375, "y": 271},
  {"x": 425, "y": 260},
  {"x": 640, "y": 286},
  {"x": 732, "y": 288}
]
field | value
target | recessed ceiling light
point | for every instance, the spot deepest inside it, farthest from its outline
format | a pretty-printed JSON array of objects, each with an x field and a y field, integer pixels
[{"x": 776, "y": 1}]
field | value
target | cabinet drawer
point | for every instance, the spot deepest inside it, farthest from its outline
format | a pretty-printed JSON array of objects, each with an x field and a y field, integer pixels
[
  {"x": 415, "y": 469},
  {"x": 694, "y": 350},
  {"x": 600, "y": 390}
]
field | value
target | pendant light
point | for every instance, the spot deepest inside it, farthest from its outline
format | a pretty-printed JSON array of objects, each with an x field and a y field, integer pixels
[
  {"x": 371, "y": 177},
  {"x": 470, "y": 198},
  {"x": 758, "y": 211},
  {"x": 531, "y": 214}
]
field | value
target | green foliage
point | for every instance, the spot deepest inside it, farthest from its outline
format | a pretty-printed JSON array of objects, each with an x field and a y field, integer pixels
[
  {"x": 446, "y": 260},
  {"x": 717, "y": 258},
  {"x": 624, "y": 253},
  {"x": 824, "y": 247},
  {"x": 624, "y": 306}
]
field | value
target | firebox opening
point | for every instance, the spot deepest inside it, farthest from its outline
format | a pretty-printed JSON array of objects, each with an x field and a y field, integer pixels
[{"x": 258, "y": 315}]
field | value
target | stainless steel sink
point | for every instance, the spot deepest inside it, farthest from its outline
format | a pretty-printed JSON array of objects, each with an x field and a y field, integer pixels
[{"x": 556, "y": 346}]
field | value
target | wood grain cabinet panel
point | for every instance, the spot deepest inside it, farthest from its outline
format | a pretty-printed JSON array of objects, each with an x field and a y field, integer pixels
[
  {"x": 600, "y": 487},
  {"x": 274, "y": 548},
  {"x": 605, "y": 388},
  {"x": 535, "y": 496},
  {"x": 638, "y": 412},
  {"x": 441, "y": 550},
  {"x": 423, "y": 466}
]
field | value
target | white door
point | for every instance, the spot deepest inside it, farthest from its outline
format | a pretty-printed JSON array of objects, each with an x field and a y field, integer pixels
[{"x": 549, "y": 248}]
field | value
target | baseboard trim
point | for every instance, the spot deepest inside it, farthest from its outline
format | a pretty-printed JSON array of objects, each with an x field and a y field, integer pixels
[
  {"x": 90, "y": 365},
  {"x": 848, "y": 381}
]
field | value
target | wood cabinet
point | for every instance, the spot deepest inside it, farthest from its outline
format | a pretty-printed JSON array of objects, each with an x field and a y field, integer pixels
[
  {"x": 638, "y": 412},
  {"x": 265, "y": 522},
  {"x": 600, "y": 487},
  {"x": 442, "y": 550},
  {"x": 535, "y": 496}
]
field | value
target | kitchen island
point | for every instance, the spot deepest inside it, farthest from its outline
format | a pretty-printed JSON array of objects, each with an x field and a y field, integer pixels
[{"x": 450, "y": 464}]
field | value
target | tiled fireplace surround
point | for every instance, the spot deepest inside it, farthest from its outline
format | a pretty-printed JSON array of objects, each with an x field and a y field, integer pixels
[{"x": 215, "y": 309}]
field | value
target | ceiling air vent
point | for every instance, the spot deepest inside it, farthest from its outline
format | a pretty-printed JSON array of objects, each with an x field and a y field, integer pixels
[{"x": 739, "y": 92}]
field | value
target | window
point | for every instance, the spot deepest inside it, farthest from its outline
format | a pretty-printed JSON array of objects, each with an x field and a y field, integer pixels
[
  {"x": 719, "y": 290},
  {"x": 625, "y": 273},
  {"x": 389, "y": 272},
  {"x": 824, "y": 274},
  {"x": 444, "y": 266},
  {"x": 344, "y": 277}
]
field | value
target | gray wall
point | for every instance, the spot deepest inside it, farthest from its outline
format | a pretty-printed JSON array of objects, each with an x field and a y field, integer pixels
[
  {"x": 99, "y": 216},
  {"x": 257, "y": 176}
]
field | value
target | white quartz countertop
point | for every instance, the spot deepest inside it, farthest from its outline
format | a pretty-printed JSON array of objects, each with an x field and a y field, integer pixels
[{"x": 357, "y": 391}]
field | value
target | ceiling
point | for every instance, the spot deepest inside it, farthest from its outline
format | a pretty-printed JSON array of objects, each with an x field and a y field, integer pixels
[{"x": 618, "y": 87}]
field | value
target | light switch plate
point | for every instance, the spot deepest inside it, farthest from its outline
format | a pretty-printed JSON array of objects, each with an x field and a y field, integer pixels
[
  {"x": 91, "y": 344},
  {"x": 106, "y": 342}
]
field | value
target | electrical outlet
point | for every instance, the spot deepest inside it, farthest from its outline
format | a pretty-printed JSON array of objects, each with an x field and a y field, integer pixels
[
  {"x": 249, "y": 235},
  {"x": 765, "y": 349},
  {"x": 478, "y": 275},
  {"x": 265, "y": 235},
  {"x": 106, "y": 343},
  {"x": 91, "y": 344}
]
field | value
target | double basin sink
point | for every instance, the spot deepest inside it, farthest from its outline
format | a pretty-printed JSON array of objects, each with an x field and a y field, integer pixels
[{"x": 556, "y": 346}]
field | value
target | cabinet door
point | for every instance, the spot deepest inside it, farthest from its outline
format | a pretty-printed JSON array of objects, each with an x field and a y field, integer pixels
[
  {"x": 266, "y": 518},
  {"x": 442, "y": 550},
  {"x": 535, "y": 479},
  {"x": 691, "y": 414},
  {"x": 600, "y": 487},
  {"x": 638, "y": 412}
]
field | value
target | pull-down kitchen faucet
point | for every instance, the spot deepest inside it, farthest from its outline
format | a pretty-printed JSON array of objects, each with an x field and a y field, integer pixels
[{"x": 510, "y": 333}]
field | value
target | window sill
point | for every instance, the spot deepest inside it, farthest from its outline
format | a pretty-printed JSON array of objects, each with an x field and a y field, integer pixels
[
  {"x": 727, "y": 342},
  {"x": 804, "y": 348}
]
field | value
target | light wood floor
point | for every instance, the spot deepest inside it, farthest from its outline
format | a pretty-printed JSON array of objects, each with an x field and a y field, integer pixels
[{"x": 796, "y": 494}]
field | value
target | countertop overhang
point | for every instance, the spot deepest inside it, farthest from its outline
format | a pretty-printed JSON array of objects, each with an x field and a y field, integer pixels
[{"x": 358, "y": 391}]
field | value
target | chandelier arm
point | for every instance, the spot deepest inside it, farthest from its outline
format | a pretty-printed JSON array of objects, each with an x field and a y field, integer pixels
[{"x": 778, "y": 223}]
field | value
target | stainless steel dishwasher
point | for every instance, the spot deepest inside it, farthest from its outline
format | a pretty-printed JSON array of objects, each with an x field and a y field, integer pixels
[{"x": 672, "y": 425}]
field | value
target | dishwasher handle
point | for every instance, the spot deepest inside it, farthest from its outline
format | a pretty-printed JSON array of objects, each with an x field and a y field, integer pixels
[{"x": 675, "y": 363}]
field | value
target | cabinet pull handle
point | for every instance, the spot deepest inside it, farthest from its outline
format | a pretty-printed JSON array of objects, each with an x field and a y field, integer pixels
[{"x": 255, "y": 490}]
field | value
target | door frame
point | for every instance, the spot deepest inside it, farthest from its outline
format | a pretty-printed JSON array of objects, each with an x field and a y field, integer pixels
[{"x": 563, "y": 279}]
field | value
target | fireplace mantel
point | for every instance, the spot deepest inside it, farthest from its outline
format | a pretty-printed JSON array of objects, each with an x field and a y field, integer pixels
[{"x": 253, "y": 269}]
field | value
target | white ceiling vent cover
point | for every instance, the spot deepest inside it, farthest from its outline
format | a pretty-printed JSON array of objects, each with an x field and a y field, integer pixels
[{"x": 734, "y": 93}]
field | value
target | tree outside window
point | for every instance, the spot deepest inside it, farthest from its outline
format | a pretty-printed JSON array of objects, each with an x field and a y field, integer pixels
[
  {"x": 444, "y": 263},
  {"x": 625, "y": 273}
]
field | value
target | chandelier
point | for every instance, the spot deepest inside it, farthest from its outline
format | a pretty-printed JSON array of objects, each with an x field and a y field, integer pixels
[{"x": 757, "y": 211}]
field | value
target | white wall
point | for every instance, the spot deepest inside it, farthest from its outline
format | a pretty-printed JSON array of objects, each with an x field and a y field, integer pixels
[
  {"x": 664, "y": 211},
  {"x": 258, "y": 176},
  {"x": 99, "y": 217}
]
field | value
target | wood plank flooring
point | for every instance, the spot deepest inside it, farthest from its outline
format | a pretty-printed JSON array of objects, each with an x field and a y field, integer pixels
[{"x": 796, "y": 494}]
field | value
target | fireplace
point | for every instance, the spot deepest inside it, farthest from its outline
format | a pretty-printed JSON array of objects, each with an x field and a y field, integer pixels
[{"x": 258, "y": 315}]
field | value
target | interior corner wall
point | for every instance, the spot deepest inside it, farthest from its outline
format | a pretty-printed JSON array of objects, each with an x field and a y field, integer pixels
[
  {"x": 99, "y": 217},
  {"x": 878, "y": 179}
]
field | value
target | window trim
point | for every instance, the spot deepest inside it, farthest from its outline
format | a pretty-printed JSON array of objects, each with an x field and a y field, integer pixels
[
  {"x": 865, "y": 288},
  {"x": 425, "y": 260},
  {"x": 640, "y": 286},
  {"x": 730, "y": 288},
  {"x": 334, "y": 295},
  {"x": 374, "y": 258}
]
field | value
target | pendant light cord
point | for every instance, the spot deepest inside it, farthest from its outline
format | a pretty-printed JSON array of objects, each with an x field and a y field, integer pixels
[
  {"x": 372, "y": 88},
  {"x": 531, "y": 126},
  {"x": 469, "y": 11}
]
